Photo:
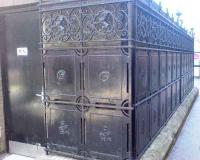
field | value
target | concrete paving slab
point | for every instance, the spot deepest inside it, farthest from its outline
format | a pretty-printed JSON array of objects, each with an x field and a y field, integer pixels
[
  {"x": 161, "y": 146},
  {"x": 14, "y": 157},
  {"x": 187, "y": 146},
  {"x": 53, "y": 158}
]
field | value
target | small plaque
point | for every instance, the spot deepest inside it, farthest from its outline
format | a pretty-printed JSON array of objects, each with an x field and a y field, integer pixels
[{"x": 22, "y": 51}]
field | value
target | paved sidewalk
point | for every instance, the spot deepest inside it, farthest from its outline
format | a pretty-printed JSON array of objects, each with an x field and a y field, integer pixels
[
  {"x": 187, "y": 146},
  {"x": 15, "y": 157}
]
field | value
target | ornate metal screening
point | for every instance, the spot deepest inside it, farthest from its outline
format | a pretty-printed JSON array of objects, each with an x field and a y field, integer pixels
[{"x": 123, "y": 66}]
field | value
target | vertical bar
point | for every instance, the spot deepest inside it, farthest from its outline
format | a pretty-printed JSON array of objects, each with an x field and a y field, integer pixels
[
  {"x": 130, "y": 61},
  {"x": 159, "y": 70},
  {"x": 80, "y": 68},
  {"x": 83, "y": 135},
  {"x": 133, "y": 67},
  {"x": 181, "y": 70},
  {"x": 127, "y": 77},
  {"x": 43, "y": 78},
  {"x": 4, "y": 79}
]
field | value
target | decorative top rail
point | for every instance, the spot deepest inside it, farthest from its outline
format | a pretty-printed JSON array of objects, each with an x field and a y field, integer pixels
[{"x": 72, "y": 23}]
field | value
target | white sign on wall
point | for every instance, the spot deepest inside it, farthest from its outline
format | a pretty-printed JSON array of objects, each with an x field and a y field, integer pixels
[{"x": 22, "y": 51}]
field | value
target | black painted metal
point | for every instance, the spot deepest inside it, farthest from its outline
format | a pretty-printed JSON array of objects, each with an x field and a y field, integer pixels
[
  {"x": 104, "y": 58},
  {"x": 23, "y": 78},
  {"x": 113, "y": 73}
]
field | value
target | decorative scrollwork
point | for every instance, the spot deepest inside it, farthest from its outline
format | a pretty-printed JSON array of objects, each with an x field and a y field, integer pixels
[
  {"x": 102, "y": 22},
  {"x": 63, "y": 25},
  {"x": 105, "y": 22},
  {"x": 151, "y": 29},
  {"x": 142, "y": 26}
]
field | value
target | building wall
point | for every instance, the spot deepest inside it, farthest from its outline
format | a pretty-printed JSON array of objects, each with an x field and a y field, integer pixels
[{"x": 5, "y": 3}]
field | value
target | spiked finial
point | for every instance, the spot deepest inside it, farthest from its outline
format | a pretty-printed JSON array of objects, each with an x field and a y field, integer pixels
[
  {"x": 178, "y": 14},
  {"x": 192, "y": 32},
  {"x": 167, "y": 12},
  {"x": 160, "y": 6},
  {"x": 172, "y": 17}
]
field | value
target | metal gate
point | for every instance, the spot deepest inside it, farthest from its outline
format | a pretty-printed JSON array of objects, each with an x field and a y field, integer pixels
[
  {"x": 113, "y": 71},
  {"x": 81, "y": 119},
  {"x": 87, "y": 86}
]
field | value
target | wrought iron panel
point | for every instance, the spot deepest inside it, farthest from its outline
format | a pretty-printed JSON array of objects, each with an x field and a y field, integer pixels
[
  {"x": 178, "y": 64},
  {"x": 169, "y": 101},
  {"x": 185, "y": 86},
  {"x": 106, "y": 134},
  {"x": 163, "y": 105},
  {"x": 106, "y": 75},
  {"x": 73, "y": 3},
  {"x": 192, "y": 80},
  {"x": 60, "y": 27},
  {"x": 174, "y": 66},
  {"x": 184, "y": 63},
  {"x": 187, "y": 82},
  {"x": 174, "y": 96},
  {"x": 191, "y": 62},
  {"x": 182, "y": 88},
  {"x": 188, "y": 62},
  {"x": 178, "y": 92},
  {"x": 142, "y": 127},
  {"x": 107, "y": 46},
  {"x": 169, "y": 67},
  {"x": 64, "y": 128},
  {"x": 154, "y": 116},
  {"x": 183, "y": 60},
  {"x": 163, "y": 69},
  {"x": 62, "y": 75},
  {"x": 107, "y": 22},
  {"x": 142, "y": 66},
  {"x": 154, "y": 67},
  {"x": 153, "y": 30},
  {"x": 90, "y": 24}
]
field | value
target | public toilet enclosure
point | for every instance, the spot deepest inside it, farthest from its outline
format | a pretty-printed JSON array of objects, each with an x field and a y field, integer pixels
[{"x": 93, "y": 79}]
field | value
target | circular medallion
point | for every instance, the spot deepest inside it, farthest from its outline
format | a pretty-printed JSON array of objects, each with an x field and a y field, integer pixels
[
  {"x": 104, "y": 76},
  {"x": 82, "y": 100},
  {"x": 125, "y": 104},
  {"x": 61, "y": 75}
]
